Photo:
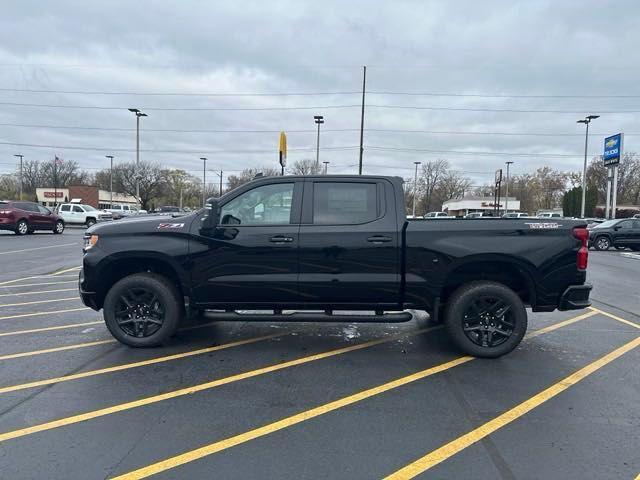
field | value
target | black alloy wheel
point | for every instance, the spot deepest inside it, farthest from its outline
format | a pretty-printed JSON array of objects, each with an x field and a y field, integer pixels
[
  {"x": 488, "y": 321},
  {"x": 139, "y": 312}
]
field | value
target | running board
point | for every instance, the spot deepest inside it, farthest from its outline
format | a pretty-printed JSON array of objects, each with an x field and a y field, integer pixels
[{"x": 398, "y": 317}]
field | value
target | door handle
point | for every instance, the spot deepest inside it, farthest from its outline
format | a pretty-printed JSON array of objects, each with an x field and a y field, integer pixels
[
  {"x": 281, "y": 239},
  {"x": 379, "y": 239}
]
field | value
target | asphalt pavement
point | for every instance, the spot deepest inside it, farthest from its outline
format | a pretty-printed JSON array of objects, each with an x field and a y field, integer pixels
[{"x": 258, "y": 400}]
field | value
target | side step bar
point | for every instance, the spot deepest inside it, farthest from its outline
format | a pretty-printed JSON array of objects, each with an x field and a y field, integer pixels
[{"x": 397, "y": 317}]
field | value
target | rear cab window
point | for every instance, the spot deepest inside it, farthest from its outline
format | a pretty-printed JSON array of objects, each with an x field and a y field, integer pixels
[{"x": 345, "y": 203}]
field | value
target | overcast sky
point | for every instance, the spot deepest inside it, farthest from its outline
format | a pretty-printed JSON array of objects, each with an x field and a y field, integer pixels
[{"x": 575, "y": 51}]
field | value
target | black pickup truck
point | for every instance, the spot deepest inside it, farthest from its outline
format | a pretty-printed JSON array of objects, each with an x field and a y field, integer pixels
[{"x": 333, "y": 243}]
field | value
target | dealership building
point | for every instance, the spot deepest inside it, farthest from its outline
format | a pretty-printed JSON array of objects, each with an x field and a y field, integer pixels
[
  {"x": 459, "y": 207},
  {"x": 87, "y": 195}
]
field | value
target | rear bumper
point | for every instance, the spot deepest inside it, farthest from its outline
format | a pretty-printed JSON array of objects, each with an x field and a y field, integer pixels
[{"x": 575, "y": 297}]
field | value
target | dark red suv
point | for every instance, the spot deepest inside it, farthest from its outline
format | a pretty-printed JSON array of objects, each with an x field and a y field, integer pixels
[{"x": 26, "y": 217}]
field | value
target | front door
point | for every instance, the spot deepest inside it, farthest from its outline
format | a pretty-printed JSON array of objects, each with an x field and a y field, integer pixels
[
  {"x": 349, "y": 244},
  {"x": 252, "y": 256}
]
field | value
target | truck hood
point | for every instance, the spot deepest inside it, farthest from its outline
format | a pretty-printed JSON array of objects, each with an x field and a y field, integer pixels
[{"x": 144, "y": 225}]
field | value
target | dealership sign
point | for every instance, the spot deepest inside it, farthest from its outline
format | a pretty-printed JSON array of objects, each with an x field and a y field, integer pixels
[{"x": 612, "y": 149}]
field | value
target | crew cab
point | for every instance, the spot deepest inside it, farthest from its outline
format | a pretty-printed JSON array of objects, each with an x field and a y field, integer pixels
[
  {"x": 332, "y": 243},
  {"x": 79, "y": 214}
]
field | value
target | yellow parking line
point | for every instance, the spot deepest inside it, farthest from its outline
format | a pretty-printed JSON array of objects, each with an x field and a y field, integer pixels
[
  {"x": 67, "y": 270},
  {"x": 35, "y": 314},
  {"x": 38, "y": 284},
  {"x": 314, "y": 412},
  {"x": 441, "y": 454},
  {"x": 200, "y": 387},
  {"x": 39, "y": 292},
  {"x": 39, "y": 301},
  {"x": 610, "y": 315},
  {"x": 47, "y": 329},
  {"x": 142, "y": 363},
  {"x": 55, "y": 349}
]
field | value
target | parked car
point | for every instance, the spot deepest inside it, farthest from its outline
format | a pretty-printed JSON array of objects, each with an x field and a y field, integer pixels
[
  {"x": 121, "y": 211},
  {"x": 332, "y": 243},
  {"x": 515, "y": 215},
  {"x": 479, "y": 215},
  {"x": 27, "y": 217},
  {"x": 619, "y": 233},
  {"x": 431, "y": 215},
  {"x": 549, "y": 215},
  {"x": 80, "y": 214}
]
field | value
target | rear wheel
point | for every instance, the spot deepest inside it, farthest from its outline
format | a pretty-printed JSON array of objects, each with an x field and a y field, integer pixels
[
  {"x": 22, "y": 227},
  {"x": 602, "y": 243},
  {"x": 142, "y": 310},
  {"x": 486, "y": 319},
  {"x": 59, "y": 227},
  {"x": 90, "y": 222}
]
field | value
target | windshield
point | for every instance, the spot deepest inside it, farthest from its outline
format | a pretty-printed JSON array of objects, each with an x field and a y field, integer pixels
[
  {"x": 89, "y": 208},
  {"x": 608, "y": 223}
]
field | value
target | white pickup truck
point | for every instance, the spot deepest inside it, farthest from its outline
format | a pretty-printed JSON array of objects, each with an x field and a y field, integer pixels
[{"x": 80, "y": 214}]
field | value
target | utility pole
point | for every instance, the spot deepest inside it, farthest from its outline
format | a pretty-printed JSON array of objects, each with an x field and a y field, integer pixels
[
  {"x": 220, "y": 191},
  {"x": 110, "y": 157},
  {"x": 586, "y": 121},
  {"x": 364, "y": 84},
  {"x": 325, "y": 166},
  {"x": 506, "y": 194},
  {"x": 319, "y": 119},
  {"x": 138, "y": 115},
  {"x": 20, "y": 155},
  {"x": 204, "y": 180},
  {"x": 415, "y": 188}
]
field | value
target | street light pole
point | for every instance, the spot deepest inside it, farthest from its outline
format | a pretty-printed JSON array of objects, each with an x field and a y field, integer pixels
[
  {"x": 20, "y": 155},
  {"x": 319, "y": 119},
  {"x": 325, "y": 166},
  {"x": 138, "y": 115},
  {"x": 110, "y": 157},
  {"x": 204, "y": 180},
  {"x": 506, "y": 193},
  {"x": 220, "y": 175},
  {"x": 415, "y": 188},
  {"x": 586, "y": 121}
]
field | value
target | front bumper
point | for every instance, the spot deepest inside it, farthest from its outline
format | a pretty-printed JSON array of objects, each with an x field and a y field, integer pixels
[
  {"x": 575, "y": 297},
  {"x": 87, "y": 297}
]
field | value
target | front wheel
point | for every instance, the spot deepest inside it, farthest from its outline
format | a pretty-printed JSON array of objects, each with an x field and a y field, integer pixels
[
  {"x": 486, "y": 319},
  {"x": 59, "y": 227},
  {"x": 22, "y": 228},
  {"x": 603, "y": 243},
  {"x": 142, "y": 310}
]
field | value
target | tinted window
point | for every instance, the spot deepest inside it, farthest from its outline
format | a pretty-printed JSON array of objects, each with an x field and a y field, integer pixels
[
  {"x": 44, "y": 210},
  {"x": 65, "y": 208},
  {"x": 77, "y": 209},
  {"x": 269, "y": 204},
  {"x": 27, "y": 207},
  {"x": 344, "y": 203},
  {"x": 625, "y": 225}
]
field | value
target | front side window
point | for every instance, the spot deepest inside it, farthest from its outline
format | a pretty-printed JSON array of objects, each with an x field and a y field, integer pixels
[
  {"x": 344, "y": 203},
  {"x": 44, "y": 210},
  {"x": 266, "y": 205},
  {"x": 65, "y": 208},
  {"x": 626, "y": 225}
]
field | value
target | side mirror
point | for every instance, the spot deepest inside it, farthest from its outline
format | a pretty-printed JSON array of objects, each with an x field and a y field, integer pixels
[{"x": 211, "y": 217}]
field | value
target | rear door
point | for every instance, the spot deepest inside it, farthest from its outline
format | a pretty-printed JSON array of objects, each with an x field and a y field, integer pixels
[{"x": 349, "y": 243}]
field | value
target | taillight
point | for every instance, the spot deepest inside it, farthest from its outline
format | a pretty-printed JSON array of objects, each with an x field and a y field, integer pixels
[{"x": 582, "y": 234}]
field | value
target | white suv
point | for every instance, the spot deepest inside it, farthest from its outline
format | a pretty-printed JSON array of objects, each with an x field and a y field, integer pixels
[
  {"x": 437, "y": 215},
  {"x": 76, "y": 213},
  {"x": 120, "y": 211}
]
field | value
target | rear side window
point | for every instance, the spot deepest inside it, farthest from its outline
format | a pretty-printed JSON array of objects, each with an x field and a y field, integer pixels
[
  {"x": 65, "y": 208},
  {"x": 344, "y": 203},
  {"x": 27, "y": 207},
  {"x": 78, "y": 209},
  {"x": 625, "y": 225}
]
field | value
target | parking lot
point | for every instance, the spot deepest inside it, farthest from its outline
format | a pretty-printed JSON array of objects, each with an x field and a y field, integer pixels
[{"x": 259, "y": 400}]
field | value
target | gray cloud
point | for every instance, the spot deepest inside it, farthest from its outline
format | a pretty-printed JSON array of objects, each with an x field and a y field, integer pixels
[{"x": 530, "y": 48}]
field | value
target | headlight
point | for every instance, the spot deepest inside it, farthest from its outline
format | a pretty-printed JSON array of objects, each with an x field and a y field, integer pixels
[{"x": 90, "y": 241}]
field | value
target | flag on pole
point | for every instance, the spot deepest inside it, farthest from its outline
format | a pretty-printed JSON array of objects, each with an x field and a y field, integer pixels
[{"x": 58, "y": 161}]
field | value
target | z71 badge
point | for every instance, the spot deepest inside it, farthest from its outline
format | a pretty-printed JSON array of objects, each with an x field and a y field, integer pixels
[{"x": 162, "y": 226}]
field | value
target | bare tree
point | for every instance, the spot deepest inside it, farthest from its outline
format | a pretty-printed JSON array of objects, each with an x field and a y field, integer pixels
[
  {"x": 150, "y": 177},
  {"x": 248, "y": 174},
  {"x": 430, "y": 177},
  {"x": 307, "y": 166}
]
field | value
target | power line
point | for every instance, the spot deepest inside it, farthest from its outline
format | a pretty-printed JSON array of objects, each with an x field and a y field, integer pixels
[
  {"x": 505, "y": 110},
  {"x": 493, "y": 95},
  {"x": 463, "y": 152},
  {"x": 180, "y": 94},
  {"x": 180, "y": 109},
  {"x": 381, "y": 130}
]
